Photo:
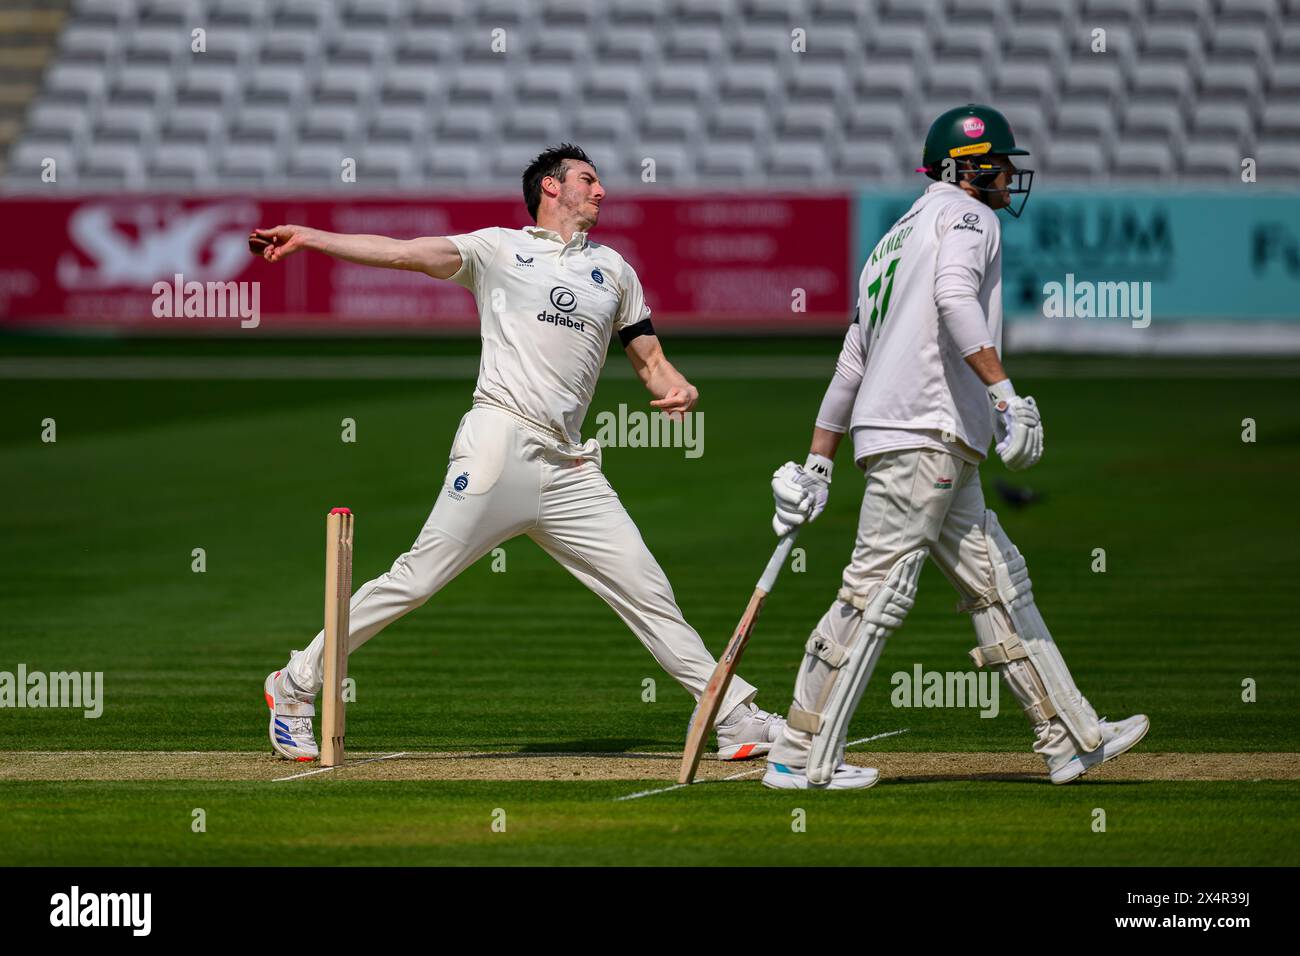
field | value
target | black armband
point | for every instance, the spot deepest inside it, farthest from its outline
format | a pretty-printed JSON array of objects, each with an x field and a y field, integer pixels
[{"x": 632, "y": 331}]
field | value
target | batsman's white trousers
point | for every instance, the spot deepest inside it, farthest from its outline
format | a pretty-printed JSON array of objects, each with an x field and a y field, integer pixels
[
  {"x": 510, "y": 476},
  {"x": 921, "y": 497},
  {"x": 916, "y": 497}
]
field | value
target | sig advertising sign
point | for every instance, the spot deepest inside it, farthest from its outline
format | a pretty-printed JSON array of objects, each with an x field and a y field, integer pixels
[{"x": 167, "y": 264}]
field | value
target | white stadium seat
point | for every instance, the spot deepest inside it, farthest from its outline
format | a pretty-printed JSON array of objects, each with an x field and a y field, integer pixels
[
  {"x": 398, "y": 124},
  {"x": 540, "y": 124},
  {"x": 254, "y": 163},
  {"x": 743, "y": 123},
  {"x": 328, "y": 124},
  {"x": 466, "y": 124},
  {"x": 671, "y": 124},
  {"x": 67, "y": 125},
  {"x": 602, "y": 125},
  {"x": 1213, "y": 161},
  {"x": 734, "y": 163},
  {"x": 712, "y": 87},
  {"x": 868, "y": 161},
  {"x": 1072, "y": 159},
  {"x": 798, "y": 161},
  {"x": 1150, "y": 160},
  {"x": 180, "y": 165},
  {"x": 811, "y": 122},
  {"x": 262, "y": 124},
  {"x": 1211, "y": 121}
]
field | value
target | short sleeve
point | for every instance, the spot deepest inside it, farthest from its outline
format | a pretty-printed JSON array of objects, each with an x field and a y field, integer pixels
[
  {"x": 477, "y": 250},
  {"x": 631, "y": 304}
]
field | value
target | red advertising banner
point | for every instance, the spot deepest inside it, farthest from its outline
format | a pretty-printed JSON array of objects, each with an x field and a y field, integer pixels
[{"x": 158, "y": 264}]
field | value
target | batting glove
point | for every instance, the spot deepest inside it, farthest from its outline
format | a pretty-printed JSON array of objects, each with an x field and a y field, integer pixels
[
  {"x": 800, "y": 492},
  {"x": 1019, "y": 427}
]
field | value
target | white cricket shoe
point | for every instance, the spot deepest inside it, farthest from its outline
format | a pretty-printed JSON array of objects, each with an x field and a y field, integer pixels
[
  {"x": 846, "y": 777},
  {"x": 291, "y": 733},
  {"x": 747, "y": 732},
  {"x": 1068, "y": 763}
]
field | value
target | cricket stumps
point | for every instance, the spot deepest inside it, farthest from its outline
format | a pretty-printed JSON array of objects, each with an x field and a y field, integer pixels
[{"x": 338, "y": 596}]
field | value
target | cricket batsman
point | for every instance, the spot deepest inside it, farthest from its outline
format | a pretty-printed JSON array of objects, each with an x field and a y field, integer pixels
[
  {"x": 920, "y": 384},
  {"x": 549, "y": 300}
]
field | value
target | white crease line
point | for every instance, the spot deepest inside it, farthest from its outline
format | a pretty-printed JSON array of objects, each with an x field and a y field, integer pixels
[
  {"x": 678, "y": 786},
  {"x": 865, "y": 740},
  {"x": 355, "y": 763},
  {"x": 745, "y": 773},
  {"x": 650, "y": 793}
]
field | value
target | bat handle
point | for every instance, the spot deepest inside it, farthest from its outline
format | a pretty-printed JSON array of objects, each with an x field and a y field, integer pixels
[{"x": 779, "y": 556}]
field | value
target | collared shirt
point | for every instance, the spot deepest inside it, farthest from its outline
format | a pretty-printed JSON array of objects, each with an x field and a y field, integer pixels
[{"x": 547, "y": 309}]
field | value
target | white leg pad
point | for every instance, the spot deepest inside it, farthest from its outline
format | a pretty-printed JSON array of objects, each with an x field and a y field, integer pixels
[
  {"x": 1000, "y": 648},
  {"x": 882, "y": 612},
  {"x": 1015, "y": 592}
]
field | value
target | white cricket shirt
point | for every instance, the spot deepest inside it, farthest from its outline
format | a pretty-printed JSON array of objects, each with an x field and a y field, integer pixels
[
  {"x": 547, "y": 309},
  {"x": 916, "y": 388}
]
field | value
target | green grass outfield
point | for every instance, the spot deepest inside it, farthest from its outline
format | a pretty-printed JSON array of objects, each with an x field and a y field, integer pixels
[
  {"x": 558, "y": 823},
  {"x": 1143, "y": 460}
]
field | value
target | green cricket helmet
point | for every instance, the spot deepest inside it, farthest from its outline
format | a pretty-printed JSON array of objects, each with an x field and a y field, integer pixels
[{"x": 960, "y": 136}]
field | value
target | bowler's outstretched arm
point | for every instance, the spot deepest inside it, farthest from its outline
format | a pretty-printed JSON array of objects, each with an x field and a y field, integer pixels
[{"x": 432, "y": 255}]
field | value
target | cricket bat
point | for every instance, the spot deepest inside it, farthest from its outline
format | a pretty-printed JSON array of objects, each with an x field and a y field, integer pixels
[{"x": 706, "y": 712}]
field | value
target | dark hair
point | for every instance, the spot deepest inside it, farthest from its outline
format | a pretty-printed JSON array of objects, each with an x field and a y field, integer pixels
[{"x": 550, "y": 162}]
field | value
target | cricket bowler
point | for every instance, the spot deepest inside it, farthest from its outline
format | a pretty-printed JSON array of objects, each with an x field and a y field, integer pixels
[
  {"x": 920, "y": 384},
  {"x": 549, "y": 301}
]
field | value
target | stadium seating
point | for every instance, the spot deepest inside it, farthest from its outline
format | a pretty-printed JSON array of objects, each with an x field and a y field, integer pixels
[{"x": 420, "y": 94}]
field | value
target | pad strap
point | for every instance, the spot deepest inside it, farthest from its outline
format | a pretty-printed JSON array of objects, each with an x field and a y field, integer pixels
[
  {"x": 803, "y": 720},
  {"x": 288, "y": 708},
  {"x": 990, "y": 655},
  {"x": 851, "y": 597},
  {"x": 1040, "y": 710},
  {"x": 827, "y": 650},
  {"x": 1004, "y": 652},
  {"x": 978, "y": 602}
]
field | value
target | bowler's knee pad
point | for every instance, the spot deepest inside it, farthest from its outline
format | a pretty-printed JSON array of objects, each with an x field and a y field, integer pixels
[
  {"x": 1021, "y": 641},
  {"x": 880, "y": 612}
]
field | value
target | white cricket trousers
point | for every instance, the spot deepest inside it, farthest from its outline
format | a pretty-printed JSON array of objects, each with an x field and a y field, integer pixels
[
  {"x": 509, "y": 476},
  {"x": 921, "y": 497},
  {"x": 915, "y": 497}
]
